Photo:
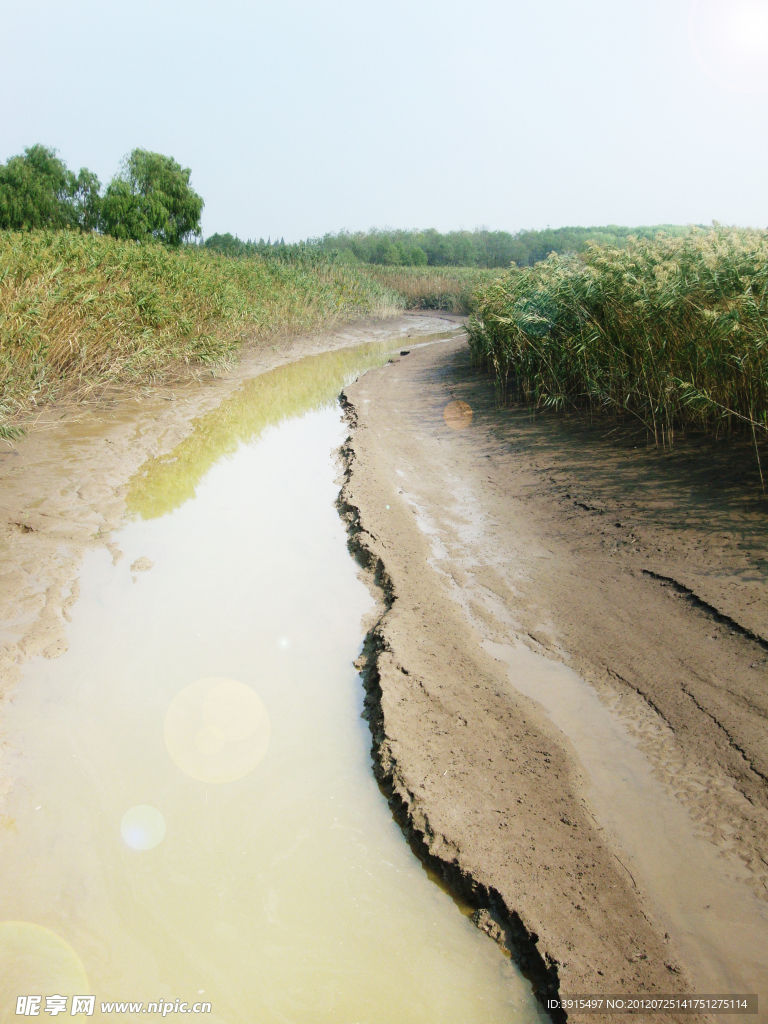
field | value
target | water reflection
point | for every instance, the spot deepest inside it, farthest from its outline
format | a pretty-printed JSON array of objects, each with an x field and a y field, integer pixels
[
  {"x": 288, "y": 893},
  {"x": 165, "y": 483}
]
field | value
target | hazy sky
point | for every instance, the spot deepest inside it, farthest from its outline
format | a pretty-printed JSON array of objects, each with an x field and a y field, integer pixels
[{"x": 299, "y": 117}]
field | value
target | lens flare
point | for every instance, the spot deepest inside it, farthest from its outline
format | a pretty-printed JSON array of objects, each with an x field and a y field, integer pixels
[
  {"x": 730, "y": 42},
  {"x": 749, "y": 28},
  {"x": 143, "y": 827},
  {"x": 35, "y": 960},
  {"x": 457, "y": 415},
  {"x": 217, "y": 730}
]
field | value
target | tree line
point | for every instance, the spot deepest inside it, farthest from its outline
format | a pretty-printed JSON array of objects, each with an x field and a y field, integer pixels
[
  {"x": 481, "y": 248},
  {"x": 150, "y": 197}
]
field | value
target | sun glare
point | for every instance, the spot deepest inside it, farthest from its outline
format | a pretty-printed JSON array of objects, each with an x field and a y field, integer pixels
[
  {"x": 748, "y": 24},
  {"x": 730, "y": 42}
]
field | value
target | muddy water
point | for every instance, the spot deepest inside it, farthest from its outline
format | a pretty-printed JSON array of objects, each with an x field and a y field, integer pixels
[{"x": 192, "y": 813}]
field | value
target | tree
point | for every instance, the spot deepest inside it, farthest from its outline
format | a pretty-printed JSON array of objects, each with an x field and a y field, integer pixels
[
  {"x": 86, "y": 200},
  {"x": 151, "y": 197},
  {"x": 38, "y": 191},
  {"x": 228, "y": 244}
]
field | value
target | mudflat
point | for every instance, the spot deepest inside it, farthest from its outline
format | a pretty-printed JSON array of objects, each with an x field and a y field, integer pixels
[{"x": 567, "y": 686}]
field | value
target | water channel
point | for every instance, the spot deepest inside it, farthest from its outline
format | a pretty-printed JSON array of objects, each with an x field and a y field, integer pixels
[{"x": 193, "y": 814}]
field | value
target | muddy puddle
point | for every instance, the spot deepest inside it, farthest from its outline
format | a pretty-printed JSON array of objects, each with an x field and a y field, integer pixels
[{"x": 192, "y": 813}]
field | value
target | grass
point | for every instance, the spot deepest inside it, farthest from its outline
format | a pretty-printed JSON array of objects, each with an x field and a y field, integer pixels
[
  {"x": 448, "y": 288},
  {"x": 672, "y": 332},
  {"x": 80, "y": 312}
]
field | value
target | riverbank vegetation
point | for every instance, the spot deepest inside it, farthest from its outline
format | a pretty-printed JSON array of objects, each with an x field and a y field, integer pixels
[
  {"x": 103, "y": 288},
  {"x": 448, "y": 288},
  {"x": 672, "y": 332},
  {"x": 80, "y": 313}
]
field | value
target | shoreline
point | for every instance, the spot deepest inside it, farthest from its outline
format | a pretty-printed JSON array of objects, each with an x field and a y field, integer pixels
[
  {"x": 453, "y": 531},
  {"x": 491, "y": 915}
]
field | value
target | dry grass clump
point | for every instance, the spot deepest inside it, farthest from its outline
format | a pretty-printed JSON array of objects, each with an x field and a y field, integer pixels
[
  {"x": 79, "y": 312},
  {"x": 673, "y": 331},
  {"x": 448, "y": 288}
]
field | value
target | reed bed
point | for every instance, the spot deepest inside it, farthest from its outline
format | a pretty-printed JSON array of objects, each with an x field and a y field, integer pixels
[
  {"x": 448, "y": 288},
  {"x": 672, "y": 332},
  {"x": 80, "y": 312}
]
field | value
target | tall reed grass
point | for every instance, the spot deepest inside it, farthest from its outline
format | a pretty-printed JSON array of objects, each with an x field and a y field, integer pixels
[
  {"x": 80, "y": 312},
  {"x": 673, "y": 332},
  {"x": 448, "y": 288}
]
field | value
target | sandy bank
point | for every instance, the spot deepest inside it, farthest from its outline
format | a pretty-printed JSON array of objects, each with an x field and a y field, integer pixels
[{"x": 567, "y": 692}]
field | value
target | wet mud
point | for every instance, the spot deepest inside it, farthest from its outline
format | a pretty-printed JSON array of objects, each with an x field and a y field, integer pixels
[{"x": 567, "y": 693}]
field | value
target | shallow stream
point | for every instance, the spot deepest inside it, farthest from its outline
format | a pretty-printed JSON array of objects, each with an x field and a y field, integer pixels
[{"x": 193, "y": 814}]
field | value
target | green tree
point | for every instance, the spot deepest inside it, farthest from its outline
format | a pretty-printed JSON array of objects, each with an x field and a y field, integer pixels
[
  {"x": 86, "y": 199},
  {"x": 38, "y": 191},
  {"x": 228, "y": 244},
  {"x": 151, "y": 197}
]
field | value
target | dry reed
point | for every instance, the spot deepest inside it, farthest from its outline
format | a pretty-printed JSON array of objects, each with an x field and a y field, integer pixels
[{"x": 448, "y": 288}]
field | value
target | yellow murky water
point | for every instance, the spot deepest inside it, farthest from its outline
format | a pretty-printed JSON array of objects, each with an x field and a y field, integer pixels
[
  {"x": 193, "y": 814},
  {"x": 165, "y": 483}
]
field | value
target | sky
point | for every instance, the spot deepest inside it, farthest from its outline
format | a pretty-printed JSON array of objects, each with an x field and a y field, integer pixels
[{"x": 299, "y": 117}]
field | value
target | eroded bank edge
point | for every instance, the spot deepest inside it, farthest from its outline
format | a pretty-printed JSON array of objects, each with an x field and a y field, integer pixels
[{"x": 492, "y": 914}]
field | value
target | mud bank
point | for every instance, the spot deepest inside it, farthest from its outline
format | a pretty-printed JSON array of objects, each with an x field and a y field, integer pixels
[{"x": 566, "y": 683}]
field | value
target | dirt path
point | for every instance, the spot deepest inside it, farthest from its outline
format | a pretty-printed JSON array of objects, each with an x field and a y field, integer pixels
[{"x": 568, "y": 692}]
